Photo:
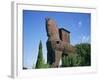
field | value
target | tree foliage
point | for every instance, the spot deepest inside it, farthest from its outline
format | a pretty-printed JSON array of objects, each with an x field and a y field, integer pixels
[
  {"x": 84, "y": 52},
  {"x": 40, "y": 61},
  {"x": 81, "y": 57}
]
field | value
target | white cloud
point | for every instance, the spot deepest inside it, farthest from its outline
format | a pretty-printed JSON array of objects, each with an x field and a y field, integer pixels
[
  {"x": 85, "y": 39},
  {"x": 80, "y": 24}
]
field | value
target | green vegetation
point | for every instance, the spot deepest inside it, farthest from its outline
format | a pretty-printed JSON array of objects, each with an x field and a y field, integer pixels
[
  {"x": 40, "y": 61},
  {"x": 69, "y": 60},
  {"x": 81, "y": 57},
  {"x": 84, "y": 53}
]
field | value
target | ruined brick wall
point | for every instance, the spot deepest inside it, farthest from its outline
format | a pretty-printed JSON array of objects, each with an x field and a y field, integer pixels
[
  {"x": 64, "y": 35},
  {"x": 65, "y": 39},
  {"x": 58, "y": 43},
  {"x": 54, "y": 48},
  {"x": 52, "y": 30}
]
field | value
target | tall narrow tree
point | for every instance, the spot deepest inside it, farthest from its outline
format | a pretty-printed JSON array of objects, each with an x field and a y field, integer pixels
[{"x": 40, "y": 61}]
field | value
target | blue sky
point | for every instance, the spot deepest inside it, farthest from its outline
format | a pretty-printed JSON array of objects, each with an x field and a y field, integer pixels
[{"x": 34, "y": 30}]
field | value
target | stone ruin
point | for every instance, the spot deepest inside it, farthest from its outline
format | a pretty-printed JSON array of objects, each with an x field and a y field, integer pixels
[{"x": 58, "y": 43}]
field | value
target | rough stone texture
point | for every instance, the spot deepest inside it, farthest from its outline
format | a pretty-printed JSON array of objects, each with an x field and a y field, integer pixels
[
  {"x": 58, "y": 55},
  {"x": 52, "y": 30},
  {"x": 64, "y": 35},
  {"x": 58, "y": 43}
]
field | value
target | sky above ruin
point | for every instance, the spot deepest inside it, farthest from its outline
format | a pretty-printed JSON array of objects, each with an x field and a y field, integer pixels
[{"x": 79, "y": 24}]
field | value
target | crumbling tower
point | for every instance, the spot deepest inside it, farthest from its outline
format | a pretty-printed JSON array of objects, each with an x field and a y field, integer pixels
[
  {"x": 65, "y": 40},
  {"x": 58, "y": 43}
]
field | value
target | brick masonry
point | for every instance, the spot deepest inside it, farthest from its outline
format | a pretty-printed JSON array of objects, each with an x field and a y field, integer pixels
[{"x": 58, "y": 43}]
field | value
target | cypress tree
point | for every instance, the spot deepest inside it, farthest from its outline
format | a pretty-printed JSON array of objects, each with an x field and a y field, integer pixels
[{"x": 40, "y": 61}]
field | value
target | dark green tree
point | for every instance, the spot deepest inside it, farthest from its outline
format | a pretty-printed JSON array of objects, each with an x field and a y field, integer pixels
[
  {"x": 81, "y": 57},
  {"x": 69, "y": 60},
  {"x": 84, "y": 52},
  {"x": 40, "y": 60}
]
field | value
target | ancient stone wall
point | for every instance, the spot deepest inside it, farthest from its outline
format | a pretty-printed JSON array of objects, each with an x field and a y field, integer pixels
[
  {"x": 58, "y": 43},
  {"x": 64, "y": 35},
  {"x": 52, "y": 30}
]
